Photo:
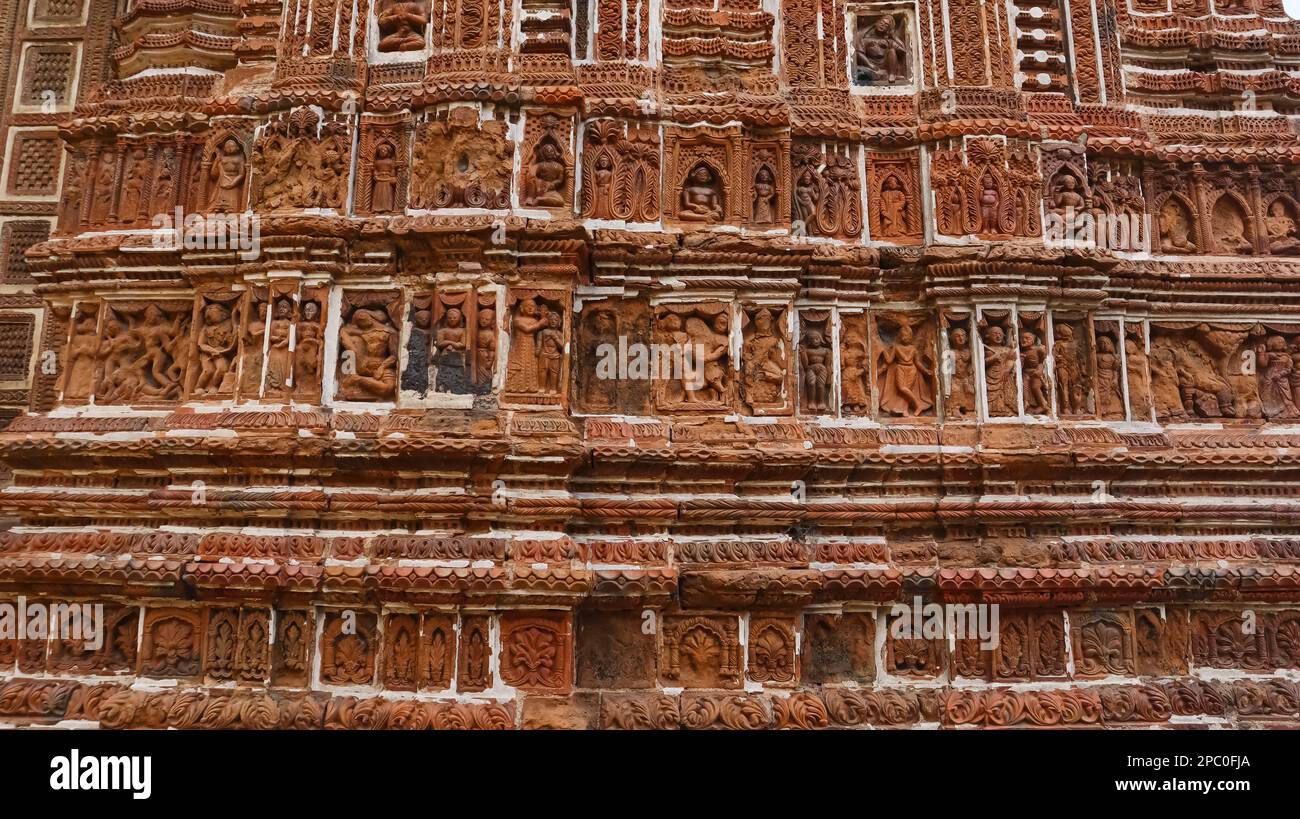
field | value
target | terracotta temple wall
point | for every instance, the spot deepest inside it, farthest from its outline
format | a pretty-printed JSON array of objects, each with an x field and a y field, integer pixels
[{"x": 326, "y": 333}]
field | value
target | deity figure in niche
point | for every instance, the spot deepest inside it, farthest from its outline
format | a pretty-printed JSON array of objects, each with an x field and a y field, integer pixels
[
  {"x": 105, "y": 190},
  {"x": 1175, "y": 230},
  {"x": 251, "y": 377},
  {"x": 217, "y": 341},
  {"x": 546, "y": 177},
  {"x": 961, "y": 395},
  {"x": 764, "y": 196},
  {"x": 279, "y": 358},
  {"x": 164, "y": 189},
  {"x": 450, "y": 353},
  {"x": 1066, "y": 198},
  {"x": 893, "y": 207},
  {"x": 716, "y": 347},
  {"x": 1275, "y": 374},
  {"x": 1230, "y": 231},
  {"x": 228, "y": 174},
  {"x": 402, "y": 24},
  {"x": 383, "y": 197},
  {"x": 815, "y": 370},
  {"x": 807, "y": 193},
  {"x": 306, "y": 375},
  {"x": 370, "y": 343},
  {"x": 853, "y": 372},
  {"x": 880, "y": 52},
  {"x": 162, "y": 352},
  {"x": 528, "y": 322},
  {"x": 999, "y": 372},
  {"x": 137, "y": 168},
  {"x": 990, "y": 204},
  {"x": 1110, "y": 395},
  {"x": 1165, "y": 393},
  {"x": 1282, "y": 239},
  {"x": 550, "y": 353},
  {"x": 79, "y": 373},
  {"x": 1069, "y": 374},
  {"x": 701, "y": 198},
  {"x": 485, "y": 359},
  {"x": 906, "y": 375},
  {"x": 1033, "y": 363},
  {"x": 1138, "y": 393},
  {"x": 764, "y": 361}
]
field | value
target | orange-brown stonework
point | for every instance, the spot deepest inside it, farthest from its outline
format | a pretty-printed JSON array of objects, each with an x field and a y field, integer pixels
[{"x": 643, "y": 365}]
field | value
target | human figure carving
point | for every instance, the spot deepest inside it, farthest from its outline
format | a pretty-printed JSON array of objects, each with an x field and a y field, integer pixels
[
  {"x": 228, "y": 173},
  {"x": 1033, "y": 367},
  {"x": 760, "y": 365},
  {"x": 1275, "y": 371},
  {"x": 853, "y": 371},
  {"x": 137, "y": 168},
  {"x": 764, "y": 196},
  {"x": 1282, "y": 239},
  {"x": 369, "y": 343},
  {"x": 546, "y": 177},
  {"x": 522, "y": 373},
  {"x": 1110, "y": 395},
  {"x": 1139, "y": 394},
  {"x": 216, "y": 342},
  {"x": 279, "y": 358},
  {"x": 1175, "y": 231},
  {"x": 1067, "y": 198},
  {"x": 550, "y": 353},
  {"x": 254, "y": 333},
  {"x": 717, "y": 345},
  {"x": 961, "y": 395},
  {"x": 383, "y": 197},
  {"x": 1165, "y": 392},
  {"x": 485, "y": 357},
  {"x": 450, "y": 353},
  {"x": 401, "y": 25},
  {"x": 815, "y": 368},
  {"x": 1069, "y": 374},
  {"x": 701, "y": 198},
  {"x": 105, "y": 190},
  {"x": 990, "y": 205},
  {"x": 880, "y": 56},
  {"x": 999, "y": 372},
  {"x": 906, "y": 376},
  {"x": 307, "y": 353},
  {"x": 79, "y": 369},
  {"x": 893, "y": 207}
]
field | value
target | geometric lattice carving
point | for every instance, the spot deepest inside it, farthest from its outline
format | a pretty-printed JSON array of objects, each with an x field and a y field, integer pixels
[
  {"x": 14, "y": 241},
  {"x": 47, "y": 73},
  {"x": 34, "y": 163},
  {"x": 15, "y": 345}
]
